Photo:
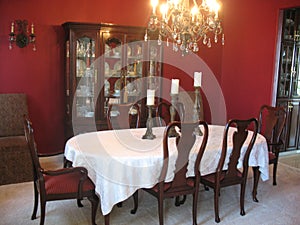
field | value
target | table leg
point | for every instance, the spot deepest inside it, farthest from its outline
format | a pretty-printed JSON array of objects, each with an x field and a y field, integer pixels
[
  {"x": 106, "y": 219},
  {"x": 256, "y": 174}
]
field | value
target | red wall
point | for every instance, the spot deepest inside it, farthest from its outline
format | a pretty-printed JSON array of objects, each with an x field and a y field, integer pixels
[{"x": 244, "y": 67}]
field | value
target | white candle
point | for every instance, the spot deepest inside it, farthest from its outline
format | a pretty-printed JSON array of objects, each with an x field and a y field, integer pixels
[
  {"x": 150, "y": 97},
  {"x": 12, "y": 29},
  {"x": 175, "y": 86},
  {"x": 197, "y": 79}
]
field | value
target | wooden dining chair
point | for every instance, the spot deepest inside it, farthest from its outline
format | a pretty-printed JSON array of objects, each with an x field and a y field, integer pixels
[
  {"x": 271, "y": 122},
  {"x": 163, "y": 115},
  {"x": 61, "y": 184},
  {"x": 227, "y": 173},
  {"x": 123, "y": 116},
  {"x": 180, "y": 185}
]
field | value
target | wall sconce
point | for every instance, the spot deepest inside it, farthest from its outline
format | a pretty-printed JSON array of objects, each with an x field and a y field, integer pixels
[{"x": 22, "y": 37}]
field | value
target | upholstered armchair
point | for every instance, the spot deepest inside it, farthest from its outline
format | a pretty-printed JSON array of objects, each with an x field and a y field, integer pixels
[{"x": 15, "y": 161}]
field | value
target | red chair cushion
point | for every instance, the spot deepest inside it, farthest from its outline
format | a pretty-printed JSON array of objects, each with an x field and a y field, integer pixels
[{"x": 66, "y": 183}]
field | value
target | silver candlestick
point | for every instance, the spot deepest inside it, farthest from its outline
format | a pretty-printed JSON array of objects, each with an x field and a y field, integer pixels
[
  {"x": 149, "y": 124},
  {"x": 196, "y": 115},
  {"x": 174, "y": 100}
]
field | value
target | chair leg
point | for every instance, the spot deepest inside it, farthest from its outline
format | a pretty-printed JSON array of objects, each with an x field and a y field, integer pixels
[
  {"x": 256, "y": 174},
  {"x": 242, "y": 198},
  {"x": 195, "y": 202},
  {"x": 135, "y": 202},
  {"x": 274, "y": 173},
  {"x": 36, "y": 199},
  {"x": 94, "y": 201},
  {"x": 79, "y": 204},
  {"x": 161, "y": 211},
  {"x": 106, "y": 219},
  {"x": 179, "y": 202},
  {"x": 216, "y": 200},
  {"x": 43, "y": 209}
]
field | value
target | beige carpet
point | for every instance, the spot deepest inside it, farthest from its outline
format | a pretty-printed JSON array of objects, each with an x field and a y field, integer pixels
[{"x": 278, "y": 205}]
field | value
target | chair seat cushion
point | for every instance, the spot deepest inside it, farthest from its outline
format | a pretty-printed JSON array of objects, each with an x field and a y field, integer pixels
[
  {"x": 190, "y": 182},
  {"x": 211, "y": 177},
  {"x": 66, "y": 183}
]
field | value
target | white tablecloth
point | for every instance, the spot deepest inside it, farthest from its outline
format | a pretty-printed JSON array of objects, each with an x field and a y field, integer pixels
[{"x": 120, "y": 162}]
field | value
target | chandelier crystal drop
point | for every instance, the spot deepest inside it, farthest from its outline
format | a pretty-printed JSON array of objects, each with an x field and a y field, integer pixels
[{"x": 185, "y": 26}]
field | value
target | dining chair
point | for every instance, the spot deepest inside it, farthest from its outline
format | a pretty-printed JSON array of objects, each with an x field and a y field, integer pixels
[
  {"x": 60, "y": 184},
  {"x": 123, "y": 116},
  {"x": 180, "y": 184},
  {"x": 227, "y": 173},
  {"x": 271, "y": 122},
  {"x": 163, "y": 115}
]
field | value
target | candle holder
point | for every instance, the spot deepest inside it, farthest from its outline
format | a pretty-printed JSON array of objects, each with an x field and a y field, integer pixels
[
  {"x": 22, "y": 37},
  {"x": 196, "y": 115},
  {"x": 174, "y": 100},
  {"x": 149, "y": 124}
]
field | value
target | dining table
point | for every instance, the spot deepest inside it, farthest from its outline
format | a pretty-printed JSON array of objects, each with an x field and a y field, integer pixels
[{"x": 120, "y": 162}]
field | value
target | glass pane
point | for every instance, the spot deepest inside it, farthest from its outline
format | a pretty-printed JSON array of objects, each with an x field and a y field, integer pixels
[
  {"x": 285, "y": 70},
  {"x": 296, "y": 74},
  {"x": 85, "y": 77},
  {"x": 113, "y": 68}
]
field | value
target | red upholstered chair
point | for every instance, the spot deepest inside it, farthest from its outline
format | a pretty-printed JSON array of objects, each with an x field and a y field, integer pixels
[
  {"x": 66, "y": 183},
  {"x": 180, "y": 185},
  {"x": 231, "y": 175}
]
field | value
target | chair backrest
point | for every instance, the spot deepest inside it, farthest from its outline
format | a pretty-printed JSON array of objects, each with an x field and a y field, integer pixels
[
  {"x": 184, "y": 144},
  {"x": 163, "y": 115},
  {"x": 12, "y": 109},
  {"x": 28, "y": 130},
  {"x": 239, "y": 137},
  {"x": 271, "y": 123},
  {"x": 123, "y": 116}
]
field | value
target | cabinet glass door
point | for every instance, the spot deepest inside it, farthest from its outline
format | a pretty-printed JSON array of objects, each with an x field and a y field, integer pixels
[
  {"x": 85, "y": 75},
  {"x": 113, "y": 68},
  {"x": 133, "y": 82},
  {"x": 285, "y": 70},
  {"x": 154, "y": 67}
]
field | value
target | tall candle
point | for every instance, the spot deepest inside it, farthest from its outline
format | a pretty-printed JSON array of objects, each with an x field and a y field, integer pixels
[
  {"x": 197, "y": 79},
  {"x": 175, "y": 86},
  {"x": 150, "y": 97}
]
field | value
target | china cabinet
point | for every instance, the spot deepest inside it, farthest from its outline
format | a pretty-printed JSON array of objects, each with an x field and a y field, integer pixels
[
  {"x": 288, "y": 88},
  {"x": 106, "y": 63}
]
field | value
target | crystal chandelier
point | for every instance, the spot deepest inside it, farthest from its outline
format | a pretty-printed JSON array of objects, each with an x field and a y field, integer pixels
[{"x": 183, "y": 26}]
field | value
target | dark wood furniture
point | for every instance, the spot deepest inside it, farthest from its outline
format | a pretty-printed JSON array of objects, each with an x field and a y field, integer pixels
[
  {"x": 123, "y": 116},
  {"x": 288, "y": 87},
  {"x": 163, "y": 113},
  {"x": 67, "y": 183},
  {"x": 271, "y": 123},
  {"x": 180, "y": 185},
  {"x": 106, "y": 64},
  {"x": 231, "y": 175},
  {"x": 13, "y": 147}
]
